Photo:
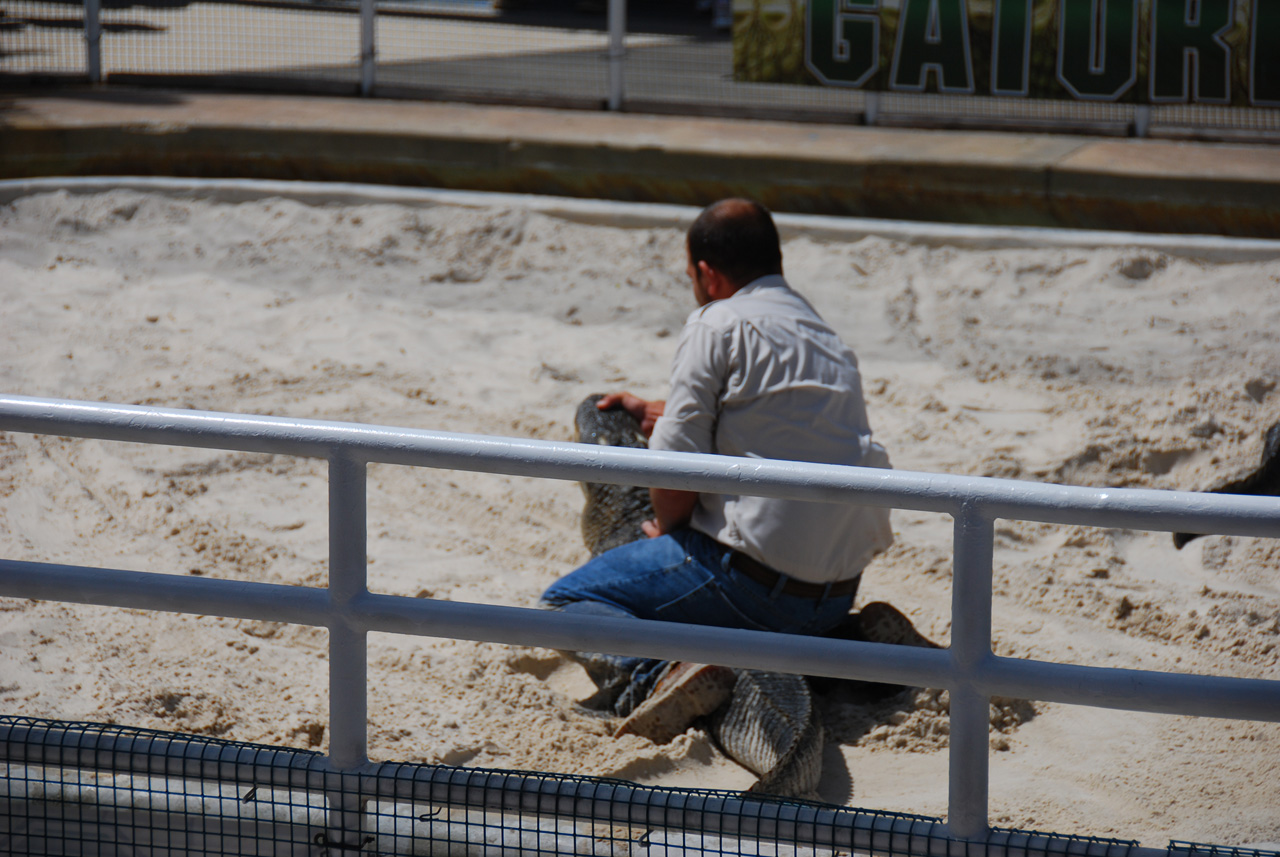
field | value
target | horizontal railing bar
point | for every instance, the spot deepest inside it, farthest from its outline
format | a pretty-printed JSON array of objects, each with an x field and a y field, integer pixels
[
  {"x": 1134, "y": 690},
  {"x": 1128, "y": 508},
  {"x": 520, "y": 626},
  {"x": 170, "y": 593},
  {"x": 181, "y": 757},
  {"x": 734, "y": 647}
]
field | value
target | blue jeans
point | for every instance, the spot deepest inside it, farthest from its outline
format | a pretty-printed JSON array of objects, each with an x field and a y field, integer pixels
[{"x": 680, "y": 577}]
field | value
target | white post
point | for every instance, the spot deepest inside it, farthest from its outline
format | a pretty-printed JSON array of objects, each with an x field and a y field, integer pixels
[
  {"x": 970, "y": 646},
  {"x": 348, "y": 704},
  {"x": 1141, "y": 120},
  {"x": 93, "y": 40},
  {"x": 617, "y": 51},
  {"x": 368, "y": 48},
  {"x": 348, "y": 655},
  {"x": 870, "y": 107}
]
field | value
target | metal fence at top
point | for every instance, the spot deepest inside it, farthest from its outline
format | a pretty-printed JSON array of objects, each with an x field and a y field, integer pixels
[
  {"x": 969, "y": 669},
  {"x": 660, "y": 56}
]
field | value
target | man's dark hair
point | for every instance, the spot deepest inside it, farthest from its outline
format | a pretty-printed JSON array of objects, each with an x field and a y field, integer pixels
[{"x": 737, "y": 238}]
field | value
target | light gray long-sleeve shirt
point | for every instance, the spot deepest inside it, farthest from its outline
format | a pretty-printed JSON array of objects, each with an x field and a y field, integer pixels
[{"x": 760, "y": 374}]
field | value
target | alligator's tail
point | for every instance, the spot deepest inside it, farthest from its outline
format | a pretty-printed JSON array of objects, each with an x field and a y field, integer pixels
[{"x": 770, "y": 727}]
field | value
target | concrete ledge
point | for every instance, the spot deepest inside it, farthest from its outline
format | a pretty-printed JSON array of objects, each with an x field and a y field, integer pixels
[{"x": 948, "y": 176}]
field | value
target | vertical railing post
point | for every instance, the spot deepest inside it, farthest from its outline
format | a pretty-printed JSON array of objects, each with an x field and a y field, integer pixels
[
  {"x": 348, "y": 657},
  {"x": 617, "y": 52},
  {"x": 368, "y": 47},
  {"x": 870, "y": 107},
  {"x": 93, "y": 40},
  {"x": 348, "y": 704},
  {"x": 970, "y": 646},
  {"x": 1141, "y": 120}
]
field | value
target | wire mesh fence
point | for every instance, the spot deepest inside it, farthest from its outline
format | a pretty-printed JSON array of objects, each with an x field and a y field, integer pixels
[
  {"x": 281, "y": 46},
  {"x": 85, "y": 788},
  {"x": 43, "y": 38},
  {"x": 488, "y": 56},
  {"x": 1181, "y": 848},
  {"x": 1189, "y": 120},
  {"x": 237, "y": 39},
  {"x": 544, "y": 52},
  {"x": 690, "y": 73}
]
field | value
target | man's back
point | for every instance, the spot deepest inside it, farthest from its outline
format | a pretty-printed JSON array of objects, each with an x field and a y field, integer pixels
[{"x": 760, "y": 374}]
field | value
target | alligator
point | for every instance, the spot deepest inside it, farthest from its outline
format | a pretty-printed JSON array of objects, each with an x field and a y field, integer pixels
[{"x": 1263, "y": 481}]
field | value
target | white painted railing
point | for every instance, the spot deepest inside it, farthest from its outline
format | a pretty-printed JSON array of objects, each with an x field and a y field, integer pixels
[{"x": 968, "y": 669}]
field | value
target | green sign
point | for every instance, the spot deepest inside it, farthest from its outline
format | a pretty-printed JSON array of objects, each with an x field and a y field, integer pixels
[{"x": 1135, "y": 51}]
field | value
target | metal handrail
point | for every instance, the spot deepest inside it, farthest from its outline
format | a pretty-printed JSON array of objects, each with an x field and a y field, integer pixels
[{"x": 968, "y": 669}]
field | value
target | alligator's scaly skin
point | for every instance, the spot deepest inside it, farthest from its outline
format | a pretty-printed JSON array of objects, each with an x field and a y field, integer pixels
[
  {"x": 613, "y": 513},
  {"x": 770, "y": 727},
  {"x": 769, "y": 724}
]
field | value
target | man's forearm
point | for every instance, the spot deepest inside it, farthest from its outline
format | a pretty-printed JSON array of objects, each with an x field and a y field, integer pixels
[{"x": 672, "y": 508}]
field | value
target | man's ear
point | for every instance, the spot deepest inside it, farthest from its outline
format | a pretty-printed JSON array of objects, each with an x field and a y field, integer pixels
[{"x": 716, "y": 284}]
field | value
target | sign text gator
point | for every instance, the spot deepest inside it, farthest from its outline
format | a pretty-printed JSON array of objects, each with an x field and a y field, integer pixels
[{"x": 1143, "y": 51}]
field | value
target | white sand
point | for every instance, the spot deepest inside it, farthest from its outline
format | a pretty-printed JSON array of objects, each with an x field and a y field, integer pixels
[{"x": 1106, "y": 367}]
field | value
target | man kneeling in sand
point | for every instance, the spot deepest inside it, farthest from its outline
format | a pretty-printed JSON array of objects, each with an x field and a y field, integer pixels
[{"x": 758, "y": 373}]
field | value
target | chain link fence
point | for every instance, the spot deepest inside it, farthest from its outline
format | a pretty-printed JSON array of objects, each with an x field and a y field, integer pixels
[{"x": 663, "y": 56}]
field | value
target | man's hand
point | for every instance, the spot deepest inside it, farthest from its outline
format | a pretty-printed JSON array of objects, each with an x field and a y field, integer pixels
[
  {"x": 672, "y": 507},
  {"x": 645, "y": 412}
]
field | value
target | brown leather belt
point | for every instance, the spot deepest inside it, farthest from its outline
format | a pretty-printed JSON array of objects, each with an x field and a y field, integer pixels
[{"x": 765, "y": 576}]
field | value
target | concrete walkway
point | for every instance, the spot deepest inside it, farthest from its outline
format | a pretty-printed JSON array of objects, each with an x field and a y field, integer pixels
[{"x": 964, "y": 177}]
